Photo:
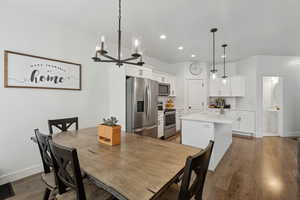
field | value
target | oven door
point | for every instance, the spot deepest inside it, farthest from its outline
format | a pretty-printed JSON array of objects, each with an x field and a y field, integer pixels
[
  {"x": 170, "y": 119},
  {"x": 163, "y": 89}
]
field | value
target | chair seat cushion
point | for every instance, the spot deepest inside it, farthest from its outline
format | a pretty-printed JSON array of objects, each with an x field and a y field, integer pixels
[
  {"x": 92, "y": 192},
  {"x": 49, "y": 180}
]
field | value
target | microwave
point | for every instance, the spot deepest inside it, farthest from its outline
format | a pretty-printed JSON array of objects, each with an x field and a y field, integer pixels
[{"x": 163, "y": 89}]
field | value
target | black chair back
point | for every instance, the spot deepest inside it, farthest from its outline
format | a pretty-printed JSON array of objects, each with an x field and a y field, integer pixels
[
  {"x": 62, "y": 124},
  {"x": 43, "y": 143},
  {"x": 199, "y": 165},
  {"x": 67, "y": 169}
]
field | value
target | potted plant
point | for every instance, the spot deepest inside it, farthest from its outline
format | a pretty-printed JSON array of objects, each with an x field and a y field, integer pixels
[{"x": 109, "y": 132}]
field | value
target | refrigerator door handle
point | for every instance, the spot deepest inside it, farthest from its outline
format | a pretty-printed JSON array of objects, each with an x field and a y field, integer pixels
[
  {"x": 138, "y": 129},
  {"x": 146, "y": 101},
  {"x": 150, "y": 127},
  {"x": 149, "y": 100}
]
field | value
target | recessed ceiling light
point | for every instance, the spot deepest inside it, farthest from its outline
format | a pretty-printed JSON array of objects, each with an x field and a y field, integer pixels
[
  {"x": 193, "y": 55},
  {"x": 180, "y": 48},
  {"x": 163, "y": 37},
  {"x": 223, "y": 56}
]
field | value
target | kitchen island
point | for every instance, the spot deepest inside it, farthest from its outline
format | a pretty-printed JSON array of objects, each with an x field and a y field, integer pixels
[{"x": 199, "y": 128}]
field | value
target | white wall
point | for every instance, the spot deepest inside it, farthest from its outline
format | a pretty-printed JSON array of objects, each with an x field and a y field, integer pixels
[
  {"x": 247, "y": 69},
  {"x": 22, "y": 110},
  {"x": 289, "y": 69}
]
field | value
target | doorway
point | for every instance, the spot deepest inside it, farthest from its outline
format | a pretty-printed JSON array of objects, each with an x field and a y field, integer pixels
[
  {"x": 272, "y": 106},
  {"x": 196, "y": 95}
]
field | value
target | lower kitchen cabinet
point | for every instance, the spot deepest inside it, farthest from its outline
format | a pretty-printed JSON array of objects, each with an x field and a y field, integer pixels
[
  {"x": 244, "y": 121},
  {"x": 160, "y": 123},
  {"x": 179, "y": 113}
]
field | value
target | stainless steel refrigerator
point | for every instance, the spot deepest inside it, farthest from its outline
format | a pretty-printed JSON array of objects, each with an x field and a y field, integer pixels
[{"x": 141, "y": 106}]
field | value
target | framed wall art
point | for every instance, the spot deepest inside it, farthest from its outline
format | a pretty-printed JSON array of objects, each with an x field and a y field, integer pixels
[{"x": 28, "y": 71}]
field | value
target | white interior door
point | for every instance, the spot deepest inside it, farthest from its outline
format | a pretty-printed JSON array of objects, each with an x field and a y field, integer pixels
[{"x": 196, "y": 96}]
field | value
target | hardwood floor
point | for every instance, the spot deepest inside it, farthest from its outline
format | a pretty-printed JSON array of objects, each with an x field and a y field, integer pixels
[{"x": 252, "y": 169}]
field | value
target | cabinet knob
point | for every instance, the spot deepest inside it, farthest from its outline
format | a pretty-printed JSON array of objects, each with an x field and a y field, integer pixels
[{"x": 190, "y": 107}]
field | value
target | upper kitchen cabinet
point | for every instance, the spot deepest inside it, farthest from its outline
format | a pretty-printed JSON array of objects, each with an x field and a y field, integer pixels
[
  {"x": 166, "y": 78},
  {"x": 237, "y": 86},
  {"x": 137, "y": 71},
  {"x": 219, "y": 89},
  {"x": 160, "y": 77},
  {"x": 234, "y": 87},
  {"x": 172, "y": 81}
]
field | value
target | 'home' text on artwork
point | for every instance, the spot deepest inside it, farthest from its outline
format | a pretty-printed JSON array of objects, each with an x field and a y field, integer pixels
[{"x": 36, "y": 77}]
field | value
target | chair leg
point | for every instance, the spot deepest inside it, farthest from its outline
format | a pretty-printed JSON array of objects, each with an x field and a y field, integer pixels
[{"x": 47, "y": 194}]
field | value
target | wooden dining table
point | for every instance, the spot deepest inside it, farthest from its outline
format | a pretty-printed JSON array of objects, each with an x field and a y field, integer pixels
[{"x": 140, "y": 168}]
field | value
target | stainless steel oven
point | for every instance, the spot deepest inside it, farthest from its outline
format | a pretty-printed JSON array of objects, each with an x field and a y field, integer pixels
[
  {"x": 163, "y": 89},
  {"x": 170, "y": 123}
]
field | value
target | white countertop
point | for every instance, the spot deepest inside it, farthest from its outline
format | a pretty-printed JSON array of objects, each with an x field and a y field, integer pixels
[{"x": 207, "y": 117}]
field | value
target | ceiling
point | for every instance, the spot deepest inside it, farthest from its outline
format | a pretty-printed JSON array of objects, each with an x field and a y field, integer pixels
[{"x": 250, "y": 27}]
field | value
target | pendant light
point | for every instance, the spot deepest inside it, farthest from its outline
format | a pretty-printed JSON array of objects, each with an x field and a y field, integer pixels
[
  {"x": 224, "y": 77},
  {"x": 214, "y": 70}
]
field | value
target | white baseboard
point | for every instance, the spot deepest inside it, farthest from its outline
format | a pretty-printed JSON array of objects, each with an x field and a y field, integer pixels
[
  {"x": 268, "y": 134},
  {"x": 238, "y": 132},
  {"x": 292, "y": 134},
  {"x": 7, "y": 178}
]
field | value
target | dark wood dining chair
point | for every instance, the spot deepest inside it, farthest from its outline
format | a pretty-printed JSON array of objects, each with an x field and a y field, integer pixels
[
  {"x": 298, "y": 159},
  {"x": 48, "y": 175},
  {"x": 68, "y": 175},
  {"x": 194, "y": 175},
  {"x": 62, "y": 124}
]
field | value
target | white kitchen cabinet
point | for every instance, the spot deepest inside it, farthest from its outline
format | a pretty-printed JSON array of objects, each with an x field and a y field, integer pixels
[
  {"x": 137, "y": 71},
  {"x": 247, "y": 123},
  {"x": 243, "y": 121},
  {"x": 156, "y": 76},
  {"x": 160, "y": 124},
  {"x": 214, "y": 87},
  {"x": 161, "y": 77},
  {"x": 234, "y": 87},
  {"x": 172, "y": 81},
  {"x": 237, "y": 86},
  {"x": 218, "y": 88},
  {"x": 179, "y": 113},
  {"x": 225, "y": 89}
]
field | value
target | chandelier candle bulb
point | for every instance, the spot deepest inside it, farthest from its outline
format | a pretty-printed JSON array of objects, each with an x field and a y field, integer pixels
[
  {"x": 102, "y": 42},
  {"x": 136, "y": 46}
]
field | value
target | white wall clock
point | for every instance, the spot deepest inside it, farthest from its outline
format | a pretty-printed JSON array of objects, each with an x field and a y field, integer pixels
[{"x": 195, "y": 69}]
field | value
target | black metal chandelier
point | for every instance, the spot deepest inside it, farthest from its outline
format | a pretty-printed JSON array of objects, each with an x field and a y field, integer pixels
[
  {"x": 224, "y": 60},
  {"x": 214, "y": 70},
  {"x": 101, "y": 52}
]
